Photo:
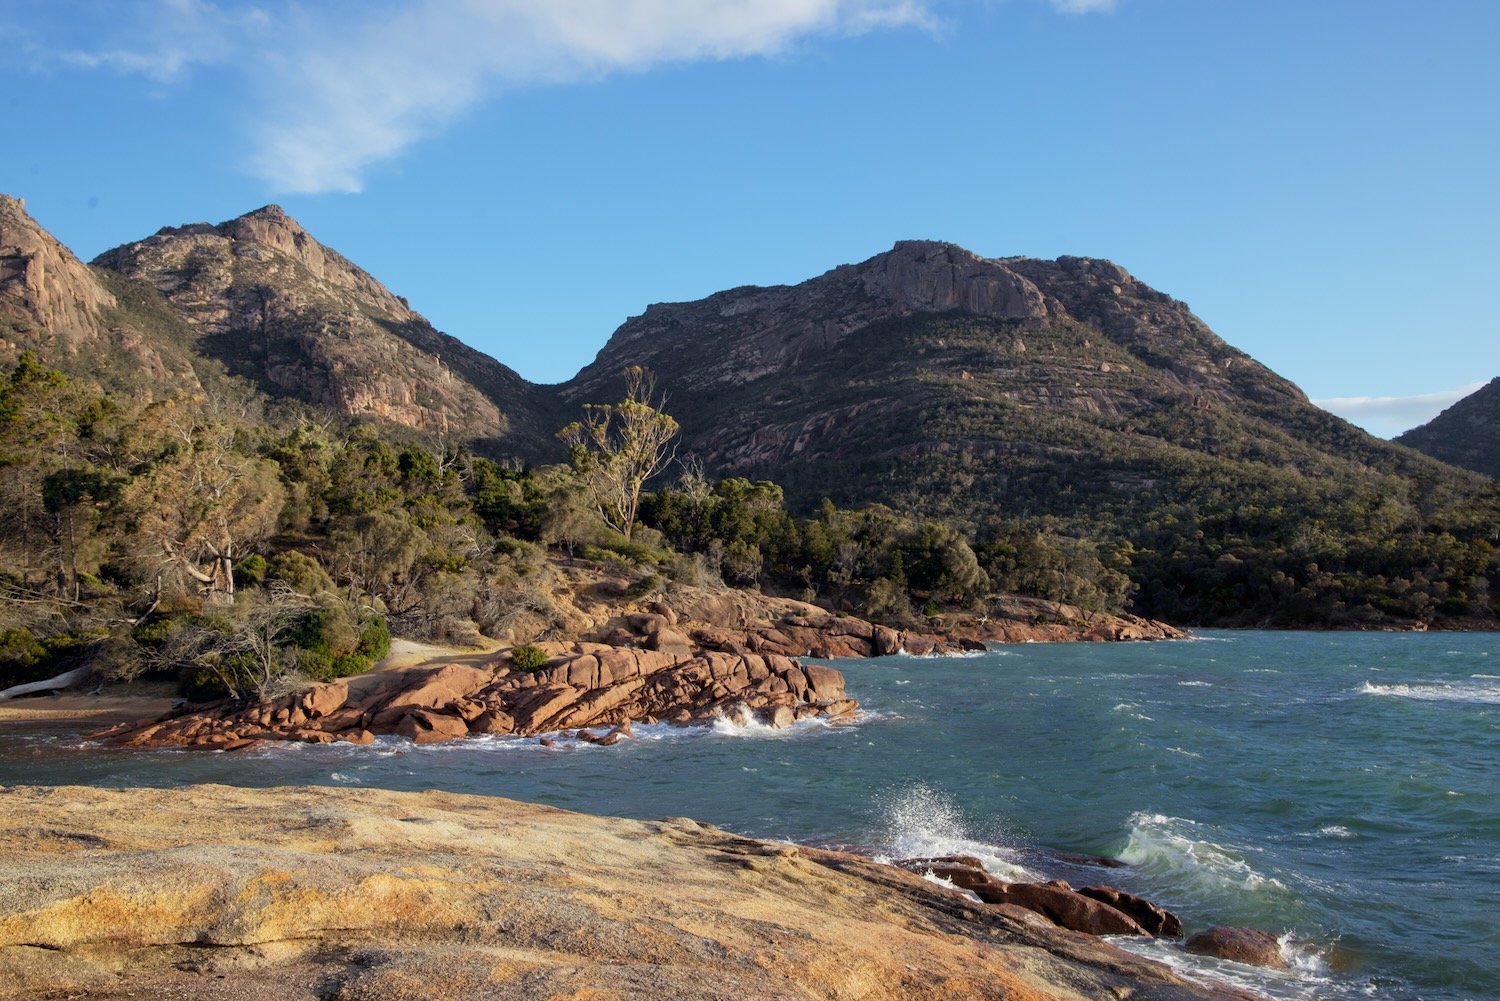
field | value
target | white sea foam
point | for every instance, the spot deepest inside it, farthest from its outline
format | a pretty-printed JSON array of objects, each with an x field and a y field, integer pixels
[
  {"x": 1178, "y": 850},
  {"x": 740, "y": 723},
  {"x": 920, "y": 822},
  {"x": 1196, "y": 684},
  {"x": 958, "y": 655},
  {"x": 346, "y": 779},
  {"x": 1484, "y": 692},
  {"x": 1306, "y": 979}
]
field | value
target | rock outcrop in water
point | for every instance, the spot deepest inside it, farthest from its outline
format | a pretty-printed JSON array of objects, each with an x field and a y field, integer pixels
[
  {"x": 584, "y": 685},
  {"x": 707, "y": 654},
  {"x": 1093, "y": 910},
  {"x": 364, "y": 894},
  {"x": 1241, "y": 945}
]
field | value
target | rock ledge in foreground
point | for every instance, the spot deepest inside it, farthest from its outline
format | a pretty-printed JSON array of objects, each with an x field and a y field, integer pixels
[{"x": 364, "y": 894}]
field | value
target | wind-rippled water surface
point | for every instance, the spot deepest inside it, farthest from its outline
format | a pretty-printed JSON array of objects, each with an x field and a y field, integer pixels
[{"x": 1340, "y": 790}]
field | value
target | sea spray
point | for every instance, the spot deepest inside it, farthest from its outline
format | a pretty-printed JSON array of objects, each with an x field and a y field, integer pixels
[{"x": 920, "y": 822}]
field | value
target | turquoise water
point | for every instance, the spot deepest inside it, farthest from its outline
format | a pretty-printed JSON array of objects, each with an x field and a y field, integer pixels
[{"x": 1342, "y": 790}]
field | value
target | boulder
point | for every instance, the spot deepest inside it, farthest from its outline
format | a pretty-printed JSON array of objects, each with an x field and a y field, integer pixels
[
  {"x": 1155, "y": 919},
  {"x": 1242, "y": 945},
  {"x": 322, "y": 700},
  {"x": 424, "y": 726},
  {"x": 669, "y": 639},
  {"x": 825, "y": 682},
  {"x": 1063, "y": 906},
  {"x": 439, "y": 686}
]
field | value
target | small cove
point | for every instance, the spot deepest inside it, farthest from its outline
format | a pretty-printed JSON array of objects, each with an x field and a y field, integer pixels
[{"x": 1337, "y": 788}]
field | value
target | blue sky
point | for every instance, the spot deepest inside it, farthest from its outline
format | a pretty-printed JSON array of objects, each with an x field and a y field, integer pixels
[{"x": 1318, "y": 180}]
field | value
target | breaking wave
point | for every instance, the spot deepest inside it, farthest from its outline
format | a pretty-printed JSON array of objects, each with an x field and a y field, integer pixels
[
  {"x": 919, "y": 822},
  {"x": 1478, "y": 689}
]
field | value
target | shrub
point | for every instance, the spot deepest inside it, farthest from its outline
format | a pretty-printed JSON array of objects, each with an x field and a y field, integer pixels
[
  {"x": 647, "y": 585},
  {"x": 250, "y": 571},
  {"x": 528, "y": 658}
]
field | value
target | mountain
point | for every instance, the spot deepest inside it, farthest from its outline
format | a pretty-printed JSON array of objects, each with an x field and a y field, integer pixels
[
  {"x": 1068, "y": 397},
  {"x": 84, "y": 321},
  {"x": 1467, "y": 434},
  {"x": 963, "y": 385},
  {"x": 1004, "y": 396},
  {"x": 300, "y": 321}
]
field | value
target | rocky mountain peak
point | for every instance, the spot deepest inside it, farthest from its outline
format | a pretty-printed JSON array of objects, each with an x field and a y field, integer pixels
[
  {"x": 303, "y": 321},
  {"x": 930, "y": 276},
  {"x": 753, "y": 331},
  {"x": 43, "y": 286},
  {"x": 77, "y": 319}
]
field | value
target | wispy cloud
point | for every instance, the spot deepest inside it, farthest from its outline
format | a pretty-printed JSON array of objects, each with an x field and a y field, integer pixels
[
  {"x": 1388, "y": 416},
  {"x": 161, "y": 40},
  {"x": 361, "y": 96},
  {"x": 330, "y": 89},
  {"x": 1083, "y": 6}
]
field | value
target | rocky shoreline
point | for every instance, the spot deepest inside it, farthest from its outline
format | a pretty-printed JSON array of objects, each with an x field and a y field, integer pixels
[
  {"x": 584, "y": 685},
  {"x": 310, "y": 893},
  {"x": 711, "y": 654}
]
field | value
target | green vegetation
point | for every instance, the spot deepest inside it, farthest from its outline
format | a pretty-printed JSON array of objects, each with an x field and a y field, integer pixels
[
  {"x": 1080, "y": 471},
  {"x": 246, "y": 550},
  {"x": 528, "y": 658}
]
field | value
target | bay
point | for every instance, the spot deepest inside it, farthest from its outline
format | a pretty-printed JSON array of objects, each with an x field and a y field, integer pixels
[{"x": 1340, "y": 790}]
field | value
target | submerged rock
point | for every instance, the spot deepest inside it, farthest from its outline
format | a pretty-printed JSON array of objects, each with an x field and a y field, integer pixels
[{"x": 1243, "y": 945}]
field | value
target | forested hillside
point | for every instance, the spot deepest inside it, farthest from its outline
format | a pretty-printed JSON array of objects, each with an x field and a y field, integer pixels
[{"x": 227, "y": 450}]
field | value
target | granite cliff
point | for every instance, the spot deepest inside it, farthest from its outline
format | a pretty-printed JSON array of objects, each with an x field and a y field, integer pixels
[
  {"x": 83, "y": 320},
  {"x": 300, "y": 321}
]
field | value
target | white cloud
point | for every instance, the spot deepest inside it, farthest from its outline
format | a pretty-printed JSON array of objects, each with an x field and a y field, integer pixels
[
  {"x": 348, "y": 96},
  {"x": 1083, "y": 6},
  {"x": 331, "y": 88},
  {"x": 158, "y": 39},
  {"x": 334, "y": 87},
  {"x": 1388, "y": 416}
]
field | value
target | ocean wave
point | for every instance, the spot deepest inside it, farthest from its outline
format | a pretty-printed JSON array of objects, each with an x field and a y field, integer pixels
[
  {"x": 1184, "y": 855},
  {"x": 1441, "y": 691},
  {"x": 1195, "y": 684},
  {"x": 1306, "y": 979},
  {"x": 740, "y": 723},
  {"x": 920, "y": 822},
  {"x": 959, "y": 655}
]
